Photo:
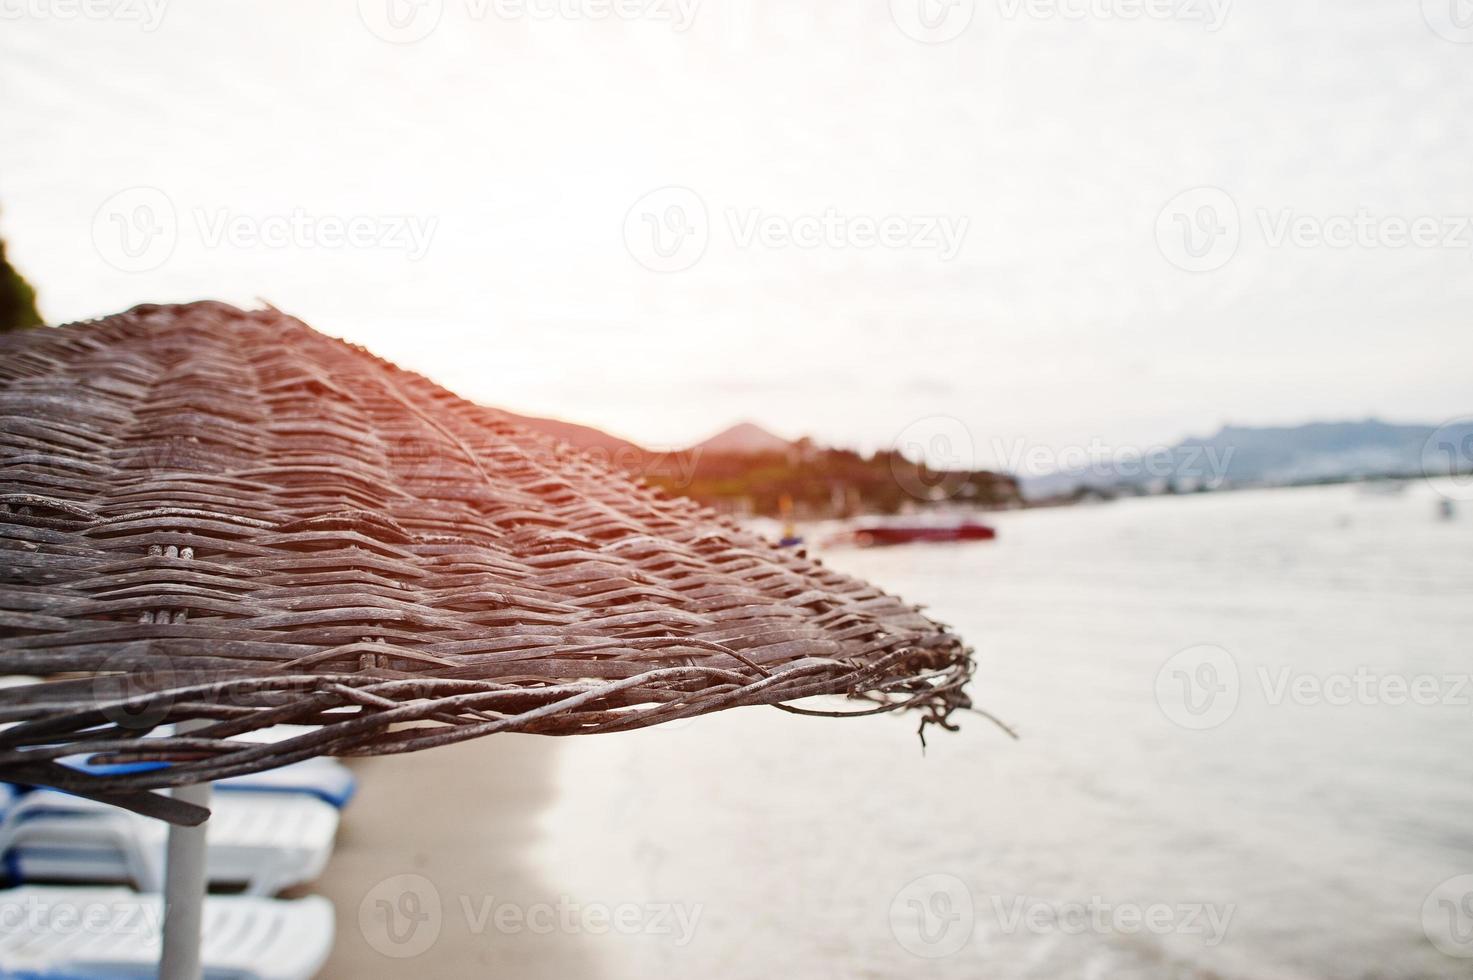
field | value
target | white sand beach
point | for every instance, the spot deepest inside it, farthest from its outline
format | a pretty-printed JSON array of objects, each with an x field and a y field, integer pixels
[{"x": 450, "y": 829}]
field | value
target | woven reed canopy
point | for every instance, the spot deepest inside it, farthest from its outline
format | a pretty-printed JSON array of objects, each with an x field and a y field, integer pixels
[{"x": 212, "y": 515}]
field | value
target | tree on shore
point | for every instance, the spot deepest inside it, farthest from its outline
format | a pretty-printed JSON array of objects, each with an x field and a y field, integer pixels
[{"x": 17, "y": 299}]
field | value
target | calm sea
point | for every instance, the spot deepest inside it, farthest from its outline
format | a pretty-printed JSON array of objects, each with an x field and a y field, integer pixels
[{"x": 1294, "y": 817}]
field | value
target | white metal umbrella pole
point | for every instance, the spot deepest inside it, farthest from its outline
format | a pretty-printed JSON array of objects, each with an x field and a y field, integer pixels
[{"x": 185, "y": 884}]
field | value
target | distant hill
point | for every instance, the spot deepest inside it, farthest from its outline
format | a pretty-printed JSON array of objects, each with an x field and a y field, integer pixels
[
  {"x": 1245, "y": 456},
  {"x": 744, "y": 439},
  {"x": 748, "y": 470}
]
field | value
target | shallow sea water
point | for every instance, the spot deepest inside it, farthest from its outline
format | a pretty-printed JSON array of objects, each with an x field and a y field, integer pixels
[{"x": 1295, "y": 838}]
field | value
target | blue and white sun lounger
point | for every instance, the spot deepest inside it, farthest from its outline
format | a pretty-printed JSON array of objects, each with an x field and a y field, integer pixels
[
  {"x": 262, "y": 841},
  {"x": 65, "y": 933}
]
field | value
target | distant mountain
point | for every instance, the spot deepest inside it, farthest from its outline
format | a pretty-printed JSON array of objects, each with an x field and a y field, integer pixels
[
  {"x": 1322, "y": 450},
  {"x": 744, "y": 439},
  {"x": 748, "y": 470},
  {"x": 1243, "y": 456}
]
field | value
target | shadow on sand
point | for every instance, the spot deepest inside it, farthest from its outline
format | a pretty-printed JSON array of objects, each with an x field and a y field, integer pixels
[{"x": 430, "y": 853}]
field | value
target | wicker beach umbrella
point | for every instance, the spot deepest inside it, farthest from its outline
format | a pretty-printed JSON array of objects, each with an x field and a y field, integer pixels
[{"x": 221, "y": 521}]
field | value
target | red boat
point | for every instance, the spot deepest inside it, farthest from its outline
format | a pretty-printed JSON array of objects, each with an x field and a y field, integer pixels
[{"x": 877, "y": 535}]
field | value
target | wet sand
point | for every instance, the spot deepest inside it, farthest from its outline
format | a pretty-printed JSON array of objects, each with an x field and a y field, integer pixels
[{"x": 432, "y": 846}]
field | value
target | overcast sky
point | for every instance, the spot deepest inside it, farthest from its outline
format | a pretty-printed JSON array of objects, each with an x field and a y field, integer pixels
[{"x": 1039, "y": 222}]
